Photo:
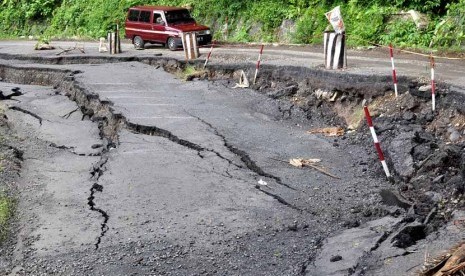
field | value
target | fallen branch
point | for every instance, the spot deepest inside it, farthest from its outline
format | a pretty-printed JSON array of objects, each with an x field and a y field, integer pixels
[
  {"x": 323, "y": 171},
  {"x": 81, "y": 49},
  {"x": 449, "y": 264},
  {"x": 299, "y": 162}
]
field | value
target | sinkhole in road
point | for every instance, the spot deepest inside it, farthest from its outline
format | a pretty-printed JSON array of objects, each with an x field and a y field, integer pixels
[{"x": 424, "y": 149}]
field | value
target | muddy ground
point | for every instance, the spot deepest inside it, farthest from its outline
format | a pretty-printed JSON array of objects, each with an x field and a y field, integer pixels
[{"x": 424, "y": 149}]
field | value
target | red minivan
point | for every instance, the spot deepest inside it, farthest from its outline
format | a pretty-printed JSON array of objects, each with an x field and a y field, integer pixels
[{"x": 164, "y": 25}]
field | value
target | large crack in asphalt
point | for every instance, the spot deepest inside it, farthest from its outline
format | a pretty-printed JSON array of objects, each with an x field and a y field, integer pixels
[
  {"x": 110, "y": 123},
  {"x": 156, "y": 131},
  {"x": 104, "y": 227},
  {"x": 97, "y": 171},
  {"x": 245, "y": 158},
  {"x": 25, "y": 111},
  {"x": 67, "y": 115},
  {"x": 251, "y": 165},
  {"x": 99, "y": 168},
  {"x": 278, "y": 198}
]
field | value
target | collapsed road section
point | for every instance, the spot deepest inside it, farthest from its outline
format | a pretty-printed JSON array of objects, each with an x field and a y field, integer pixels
[{"x": 195, "y": 172}]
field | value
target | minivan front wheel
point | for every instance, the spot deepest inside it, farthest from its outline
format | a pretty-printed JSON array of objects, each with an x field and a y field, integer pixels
[
  {"x": 171, "y": 43},
  {"x": 138, "y": 42}
]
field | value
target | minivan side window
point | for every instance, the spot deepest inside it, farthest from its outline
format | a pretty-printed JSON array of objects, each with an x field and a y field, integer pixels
[
  {"x": 157, "y": 19},
  {"x": 144, "y": 16},
  {"x": 133, "y": 15}
]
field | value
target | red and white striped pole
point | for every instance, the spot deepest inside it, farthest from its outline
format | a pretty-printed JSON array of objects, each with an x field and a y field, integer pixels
[
  {"x": 209, "y": 55},
  {"x": 258, "y": 64},
  {"x": 433, "y": 85},
  {"x": 394, "y": 74},
  {"x": 375, "y": 139}
]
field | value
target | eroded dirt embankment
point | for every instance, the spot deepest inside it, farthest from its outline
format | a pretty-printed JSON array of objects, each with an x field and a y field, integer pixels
[{"x": 424, "y": 148}]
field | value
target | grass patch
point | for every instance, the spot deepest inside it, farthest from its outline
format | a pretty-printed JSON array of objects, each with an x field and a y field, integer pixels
[
  {"x": 190, "y": 72},
  {"x": 6, "y": 212},
  {"x": 356, "y": 118}
]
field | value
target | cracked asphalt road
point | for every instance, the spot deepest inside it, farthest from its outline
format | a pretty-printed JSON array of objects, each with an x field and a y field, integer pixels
[
  {"x": 179, "y": 195},
  {"x": 179, "y": 192},
  {"x": 54, "y": 176}
]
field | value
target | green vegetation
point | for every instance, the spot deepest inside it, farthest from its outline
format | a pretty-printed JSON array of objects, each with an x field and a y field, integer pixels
[
  {"x": 6, "y": 211},
  {"x": 190, "y": 72},
  {"x": 366, "y": 20}
]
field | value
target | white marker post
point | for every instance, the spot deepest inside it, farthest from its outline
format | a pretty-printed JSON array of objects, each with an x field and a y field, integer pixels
[
  {"x": 433, "y": 85},
  {"x": 258, "y": 64},
  {"x": 394, "y": 74}
]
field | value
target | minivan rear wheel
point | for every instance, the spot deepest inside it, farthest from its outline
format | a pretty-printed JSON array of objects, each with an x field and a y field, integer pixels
[
  {"x": 171, "y": 43},
  {"x": 138, "y": 42}
]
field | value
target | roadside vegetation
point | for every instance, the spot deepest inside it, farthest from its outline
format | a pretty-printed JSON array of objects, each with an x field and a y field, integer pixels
[
  {"x": 6, "y": 211},
  {"x": 291, "y": 21}
]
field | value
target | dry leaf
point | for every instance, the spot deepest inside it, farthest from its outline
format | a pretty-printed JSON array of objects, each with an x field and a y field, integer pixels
[
  {"x": 300, "y": 162},
  {"x": 296, "y": 162}
]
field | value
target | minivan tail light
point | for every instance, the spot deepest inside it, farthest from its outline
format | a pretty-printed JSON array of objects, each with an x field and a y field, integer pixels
[{"x": 206, "y": 32}]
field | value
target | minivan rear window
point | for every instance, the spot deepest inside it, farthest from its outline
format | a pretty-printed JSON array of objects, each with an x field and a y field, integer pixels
[
  {"x": 178, "y": 16},
  {"x": 144, "y": 16},
  {"x": 133, "y": 15}
]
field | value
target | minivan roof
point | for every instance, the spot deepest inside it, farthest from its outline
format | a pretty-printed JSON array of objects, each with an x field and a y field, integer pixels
[{"x": 158, "y": 8}]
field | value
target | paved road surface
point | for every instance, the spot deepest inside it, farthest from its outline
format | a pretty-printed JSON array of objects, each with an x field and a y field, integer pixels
[
  {"x": 196, "y": 193},
  {"x": 359, "y": 61}
]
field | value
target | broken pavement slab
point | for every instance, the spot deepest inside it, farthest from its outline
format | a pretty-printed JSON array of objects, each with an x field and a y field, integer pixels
[
  {"x": 402, "y": 159},
  {"x": 412, "y": 260},
  {"x": 351, "y": 245}
]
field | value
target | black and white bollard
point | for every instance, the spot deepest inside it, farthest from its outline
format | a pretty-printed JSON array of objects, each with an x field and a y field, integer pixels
[
  {"x": 335, "y": 53},
  {"x": 114, "y": 41}
]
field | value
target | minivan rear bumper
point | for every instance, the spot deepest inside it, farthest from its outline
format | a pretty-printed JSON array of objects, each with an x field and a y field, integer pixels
[
  {"x": 204, "y": 39},
  {"x": 201, "y": 40}
]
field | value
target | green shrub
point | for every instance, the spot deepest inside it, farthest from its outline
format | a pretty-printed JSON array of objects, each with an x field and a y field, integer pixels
[
  {"x": 241, "y": 35},
  {"x": 310, "y": 26},
  {"x": 6, "y": 211},
  {"x": 450, "y": 31},
  {"x": 404, "y": 33},
  {"x": 366, "y": 20},
  {"x": 364, "y": 24}
]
